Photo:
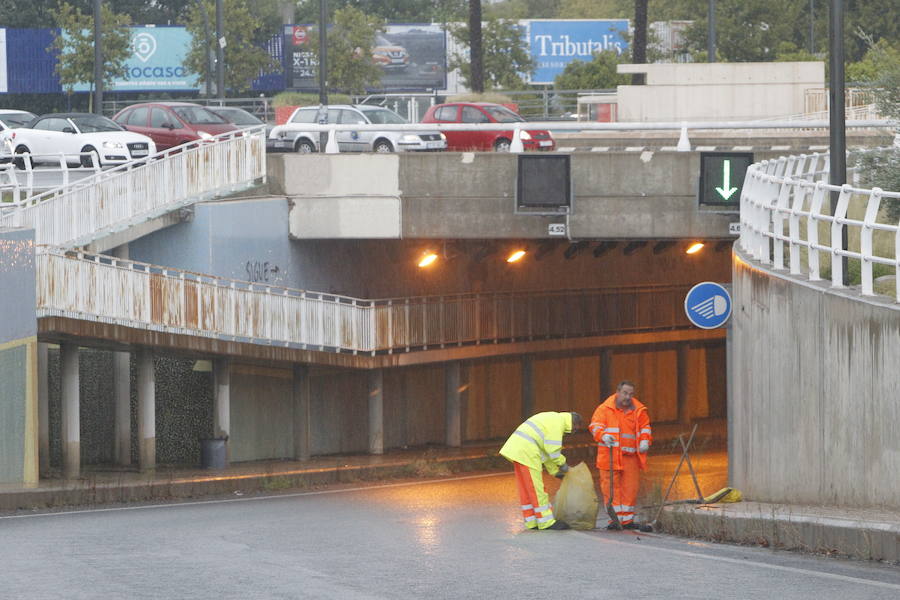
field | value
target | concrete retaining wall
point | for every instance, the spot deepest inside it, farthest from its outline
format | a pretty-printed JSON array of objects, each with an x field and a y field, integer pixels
[{"x": 816, "y": 393}]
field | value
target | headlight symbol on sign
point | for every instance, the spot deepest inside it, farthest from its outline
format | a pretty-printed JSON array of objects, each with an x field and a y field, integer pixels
[
  {"x": 708, "y": 305},
  {"x": 144, "y": 46}
]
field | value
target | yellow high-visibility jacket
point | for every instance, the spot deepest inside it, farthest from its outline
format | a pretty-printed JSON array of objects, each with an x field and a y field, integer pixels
[{"x": 538, "y": 441}]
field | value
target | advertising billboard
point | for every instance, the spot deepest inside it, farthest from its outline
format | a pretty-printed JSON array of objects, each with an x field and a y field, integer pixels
[
  {"x": 412, "y": 57},
  {"x": 554, "y": 44},
  {"x": 156, "y": 62}
]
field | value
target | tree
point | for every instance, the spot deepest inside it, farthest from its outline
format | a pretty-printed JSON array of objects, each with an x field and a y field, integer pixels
[
  {"x": 75, "y": 46},
  {"x": 881, "y": 168},
  {"x": 506, "y": 55},
  {"x": 596, "y": 74},
  {"x": 350, "y": 42},
  {"x": 244, "y": 61}
]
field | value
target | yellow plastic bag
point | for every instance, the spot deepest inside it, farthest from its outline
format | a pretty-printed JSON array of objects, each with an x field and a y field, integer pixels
[{"x": 576, "y": 502}]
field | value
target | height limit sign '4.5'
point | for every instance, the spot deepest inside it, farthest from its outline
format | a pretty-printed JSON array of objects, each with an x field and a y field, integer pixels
[
  {"x": 708, "y": 305},
  {"x": 722, "y": 177}
]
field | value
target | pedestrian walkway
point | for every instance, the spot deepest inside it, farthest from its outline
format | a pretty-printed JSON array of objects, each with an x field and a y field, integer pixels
[
  {"x": 103, "y": 484},
  {"x": 867, "y": 534}
]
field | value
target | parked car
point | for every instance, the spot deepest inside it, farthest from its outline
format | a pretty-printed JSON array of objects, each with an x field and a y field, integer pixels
[
  {"x": 388, "y": 55},
  {"x": 171, "y": 124},
  {"x": 12, "y": 119},
  {"x": 293, "y": 136},
  {"x": 478, "y": 139},
  {"x": 244, "y": 120},
  {"x": 77, "y": 136}
]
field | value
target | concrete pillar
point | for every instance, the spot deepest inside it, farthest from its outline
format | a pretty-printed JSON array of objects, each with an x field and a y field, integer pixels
[
  {"x": 527, "y": 386},
  {"x": 301, "y": 412},
  {"x": 44, "y": 408},
  {"x": 222, "y": 402},
  {"x": 122, "y": 399},
  {"x": 376, "y": 411},
  {"x": 71, "y": 418},
  {"x": 146, "y": 406},
  {"x": 607, "y": 385},
  {"x": 684, "y": 416},
  {"x": 457, "y": 395}
]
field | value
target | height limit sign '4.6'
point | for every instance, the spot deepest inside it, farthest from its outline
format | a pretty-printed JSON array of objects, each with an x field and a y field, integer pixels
[{"x": 722, "y": 177}]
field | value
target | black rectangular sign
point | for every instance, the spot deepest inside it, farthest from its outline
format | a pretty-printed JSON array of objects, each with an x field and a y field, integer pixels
[{"x": 722, "y": 177}]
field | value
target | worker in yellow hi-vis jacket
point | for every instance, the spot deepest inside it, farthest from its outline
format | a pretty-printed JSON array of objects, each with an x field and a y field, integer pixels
[{"x": 537, "y": 444}]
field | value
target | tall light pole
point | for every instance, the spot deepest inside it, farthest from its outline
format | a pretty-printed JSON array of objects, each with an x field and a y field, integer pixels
[
  {"x": 220, "y": 52},
  {"x": 837, "y": 166},
  {"x": 98, "y": 59},
  {"x": 711, "y": 32},
  {"x": 323, "y": 53}
]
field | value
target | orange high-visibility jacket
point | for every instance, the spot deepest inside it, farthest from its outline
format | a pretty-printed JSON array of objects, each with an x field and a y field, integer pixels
[{"x": 628, "y": 430}]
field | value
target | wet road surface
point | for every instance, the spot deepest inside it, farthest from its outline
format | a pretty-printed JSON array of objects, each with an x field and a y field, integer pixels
[{"x": 452, "y": 538}]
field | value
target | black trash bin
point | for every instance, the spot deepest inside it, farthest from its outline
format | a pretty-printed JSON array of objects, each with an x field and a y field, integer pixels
[{"x": 212, "y": 453}]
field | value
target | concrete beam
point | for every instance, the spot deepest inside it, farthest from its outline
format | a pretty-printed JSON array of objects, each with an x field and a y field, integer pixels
[
  {"x": 527, "y": 406},
  {"x": 43, "y": 408},
  {"x": 457, "y": 389},
  {"x": 682, "y": 352},
  {"x": 376, "y": 411},
  {"x": 71, "y": 418},
  {"x": 146, "y": 396},
  {"x": 122, "y": 393},
  {"x": 301, "y": 397},
  {"x": 222, "y": 402}
]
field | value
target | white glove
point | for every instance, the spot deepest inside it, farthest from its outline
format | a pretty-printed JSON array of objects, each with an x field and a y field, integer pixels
[
  {"x": 644, "y": 446},
  {"x": 608, "y": 439}
]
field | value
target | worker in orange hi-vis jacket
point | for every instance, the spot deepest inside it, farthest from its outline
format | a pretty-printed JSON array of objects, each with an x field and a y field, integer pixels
[{"x": 621, "y": 425}]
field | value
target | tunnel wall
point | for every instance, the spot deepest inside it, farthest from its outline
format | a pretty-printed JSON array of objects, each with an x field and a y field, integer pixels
[{"x": 816, "y": 392}]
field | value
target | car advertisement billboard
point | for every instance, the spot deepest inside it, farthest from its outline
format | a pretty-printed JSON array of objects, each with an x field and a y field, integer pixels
[
  {"x": 156, "y": 62},
  {"x": 412, "y": 57},
  {"x": 554, "y": 44}
]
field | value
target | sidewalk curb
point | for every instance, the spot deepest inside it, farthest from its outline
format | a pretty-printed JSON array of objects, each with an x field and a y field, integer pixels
[{"x": 777, "y": 526}]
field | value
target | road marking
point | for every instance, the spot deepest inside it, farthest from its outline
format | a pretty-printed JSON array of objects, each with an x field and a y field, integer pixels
[
  {"x": 250, "y": 499},
  {"x": 744, "y": 563}
]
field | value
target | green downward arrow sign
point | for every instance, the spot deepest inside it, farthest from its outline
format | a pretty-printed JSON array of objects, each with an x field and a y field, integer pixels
[{"x": 726, "y": 191}]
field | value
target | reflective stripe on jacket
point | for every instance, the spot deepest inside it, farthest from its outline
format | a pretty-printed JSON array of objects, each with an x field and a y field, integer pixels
[
  {"x": 538, "y": 441},
  {"x": 609, "y": 419}
]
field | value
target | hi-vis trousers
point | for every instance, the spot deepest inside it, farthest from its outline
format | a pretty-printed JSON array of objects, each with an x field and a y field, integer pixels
[
  {"x": 535, "y": 502},
  {"x": 625, "y": 491}
]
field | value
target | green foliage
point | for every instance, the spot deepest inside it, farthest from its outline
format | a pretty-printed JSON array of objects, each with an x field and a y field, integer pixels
[
  {"x": 789, "y": 52},
  {"x": 395, "y": 11},
  {"x": 505, "y": 55},
  {"x": 350, "y": 42},
  {"x": 494, "y": 97},
  {"x": 243, "y": 60},
  {"x": 598, "y": 74},
  {"x": 301, "y": 99},
  {"x": 75, "y": 45}
]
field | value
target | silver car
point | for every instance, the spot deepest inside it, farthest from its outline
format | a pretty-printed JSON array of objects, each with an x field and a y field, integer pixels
[{"x": 292, "y": 136}]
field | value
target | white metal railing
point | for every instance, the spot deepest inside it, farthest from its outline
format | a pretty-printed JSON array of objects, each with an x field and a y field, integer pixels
[
  {"x": 132, "y": 193},
  {"x": 19, "y": 179},
  {"x": 786, "y": 202},
  {"x": 110, "y": 290}
]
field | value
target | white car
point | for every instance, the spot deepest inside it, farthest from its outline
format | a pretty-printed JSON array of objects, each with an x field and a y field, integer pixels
[
  {"x": 293, "y": 135},
  {"x": 78, "y": 136},
  {"x": 12, "y": 119}
]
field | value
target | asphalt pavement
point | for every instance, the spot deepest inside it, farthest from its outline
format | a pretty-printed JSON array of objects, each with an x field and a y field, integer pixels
[{"x": 454, "y": 538}]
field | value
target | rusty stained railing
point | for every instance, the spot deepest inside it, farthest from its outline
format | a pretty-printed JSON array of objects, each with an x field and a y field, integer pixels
[
  {"x": 117, "y": 198},
  {"x": 110, "y": 290}
]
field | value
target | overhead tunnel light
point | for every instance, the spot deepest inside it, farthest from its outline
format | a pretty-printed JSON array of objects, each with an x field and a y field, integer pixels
[
  {"x": 695, "y": 248},
  {"x": 427, "y": 259},
  {"x": 515, "y": 256}
]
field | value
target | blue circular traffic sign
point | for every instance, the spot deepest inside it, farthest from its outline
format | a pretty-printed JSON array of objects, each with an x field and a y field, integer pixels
[{"x": 708, "y": 305}]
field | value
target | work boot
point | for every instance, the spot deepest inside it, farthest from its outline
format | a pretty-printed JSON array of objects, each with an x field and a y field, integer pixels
[
  {"x": 631, "y": 525},
  {"x": 559, "y": 525},
  {"x": 612, "y": 527},
  {"x": 647, "y": 528}
]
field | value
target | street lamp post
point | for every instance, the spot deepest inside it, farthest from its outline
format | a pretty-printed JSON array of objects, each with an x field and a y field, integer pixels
[
  {"x": 220, "y": 52},
  {"x": 98, "y": 59},
  {"x": 711, "y": 32},
  {"x": 837, "y": 166},
  {"x": 323, "y": 66}
]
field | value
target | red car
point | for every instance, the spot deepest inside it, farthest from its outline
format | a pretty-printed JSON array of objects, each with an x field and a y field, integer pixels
[
  {"x": 171, "y": 124},
  {"x": 476, "y": 139}
]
